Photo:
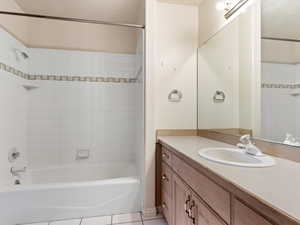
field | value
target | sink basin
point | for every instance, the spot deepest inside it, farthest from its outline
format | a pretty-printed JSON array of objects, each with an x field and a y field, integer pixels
[{"x": 236, "y": 157}]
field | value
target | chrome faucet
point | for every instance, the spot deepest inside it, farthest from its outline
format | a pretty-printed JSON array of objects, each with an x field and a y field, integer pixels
[{"x": 247, "y": 143}]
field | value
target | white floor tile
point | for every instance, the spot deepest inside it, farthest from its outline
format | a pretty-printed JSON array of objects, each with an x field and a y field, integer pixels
[
  {"x": 37, "y": 224},
  {"x": 104, "y": 220},
  {"x": 133, "y": 223},
  {"x": 126, "y": 218},
  {"x": 155, "y": 222},
  {"x": 66, "y": 222}
]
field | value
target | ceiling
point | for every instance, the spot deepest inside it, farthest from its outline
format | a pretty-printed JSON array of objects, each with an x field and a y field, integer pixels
[
  {"x": 122, "y": 11},
  {"x": 281, "y": 19}
]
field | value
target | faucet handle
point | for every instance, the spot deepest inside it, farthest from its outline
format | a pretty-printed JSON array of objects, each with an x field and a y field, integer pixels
[
  {"x": 13, "y": 155},
  {"x": 246, "y": 139}
]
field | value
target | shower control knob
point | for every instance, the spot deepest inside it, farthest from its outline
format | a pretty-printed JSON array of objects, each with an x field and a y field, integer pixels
[{"x": 13, "y": 155}]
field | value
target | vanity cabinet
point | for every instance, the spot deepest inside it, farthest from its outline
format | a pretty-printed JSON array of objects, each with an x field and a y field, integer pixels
[
  {"x": 190, "y": 209},
  {"x": 189, "y": 197},
  {"x": 167, "y": 192},
  {"x": 243, "y": 215},
  {"x": 182, "y": 200}
]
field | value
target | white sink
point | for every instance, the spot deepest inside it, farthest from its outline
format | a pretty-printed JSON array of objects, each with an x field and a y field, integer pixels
[{"x": 236, "y": 157}]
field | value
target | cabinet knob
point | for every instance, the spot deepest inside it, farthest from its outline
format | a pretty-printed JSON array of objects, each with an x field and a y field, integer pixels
[
  {"x": 165, "y": 178},
  {"x": 166, "y": 156}
]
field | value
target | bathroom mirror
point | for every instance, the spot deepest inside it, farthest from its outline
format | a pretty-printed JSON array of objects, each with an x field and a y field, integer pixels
[
  {"x": 225, "y": 78},
  {"x": 280, "y": 71},
  {"x": 245, "y": 89}
]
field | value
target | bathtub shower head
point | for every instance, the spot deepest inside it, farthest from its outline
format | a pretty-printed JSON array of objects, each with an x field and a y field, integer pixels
[
  {"x": 25, "y": 55},
  {"x": 21, "y": 53}
]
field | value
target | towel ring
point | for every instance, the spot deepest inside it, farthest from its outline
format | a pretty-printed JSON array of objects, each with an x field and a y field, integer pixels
[
  {"x": 219, "y": 96},
  {"x": 175, "y": 96}
]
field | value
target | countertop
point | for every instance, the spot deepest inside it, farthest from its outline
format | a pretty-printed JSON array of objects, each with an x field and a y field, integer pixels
[{"x": 279, "y": 185}]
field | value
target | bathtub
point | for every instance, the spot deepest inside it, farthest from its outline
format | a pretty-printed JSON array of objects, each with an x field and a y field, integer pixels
[{"x": 71, "y": 191}]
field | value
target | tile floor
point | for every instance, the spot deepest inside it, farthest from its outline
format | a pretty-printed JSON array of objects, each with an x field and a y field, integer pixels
[{"x": 122, "y": 219}]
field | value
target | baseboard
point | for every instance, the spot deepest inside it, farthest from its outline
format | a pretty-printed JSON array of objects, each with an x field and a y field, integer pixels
[{"x": 151, "y": 213}]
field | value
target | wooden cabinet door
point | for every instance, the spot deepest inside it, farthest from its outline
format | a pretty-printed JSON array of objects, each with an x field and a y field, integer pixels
[
  {"x": 181, "y": 198},
  {"x": 243, "y": 215},
  {"x": 203, "y": 215}
]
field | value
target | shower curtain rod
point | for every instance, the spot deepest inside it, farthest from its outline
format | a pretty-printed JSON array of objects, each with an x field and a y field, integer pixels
[
  {"x": 73, "y": 19},
  {"x": 280, "y": 39}
]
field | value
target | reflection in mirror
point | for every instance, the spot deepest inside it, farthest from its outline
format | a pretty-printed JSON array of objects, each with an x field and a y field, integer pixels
[
  {"x": 264, "y": 102},
  {"x": 225, "y": 78},
  {"x": 280, "y": 71}
]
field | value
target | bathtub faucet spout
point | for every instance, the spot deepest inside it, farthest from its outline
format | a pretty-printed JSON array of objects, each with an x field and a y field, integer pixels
[{"x": 16, "y": 171}]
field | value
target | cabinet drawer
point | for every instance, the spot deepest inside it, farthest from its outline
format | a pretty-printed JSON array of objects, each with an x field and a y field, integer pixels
[
  {"x": 166, "y": 179},
  {"x": 243, "y": 215},
  {"x": 214, "y": 195},
  {"x": 204, "y": 215},
  {"x": 166, "y": 156},
  {"x": 167, "y": 207}
]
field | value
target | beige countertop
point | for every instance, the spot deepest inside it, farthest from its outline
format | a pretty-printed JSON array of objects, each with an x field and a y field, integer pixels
[{"x": 279, "y": 185}]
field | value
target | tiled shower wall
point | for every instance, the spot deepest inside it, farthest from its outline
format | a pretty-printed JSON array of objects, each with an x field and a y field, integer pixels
[
  {"x": 13, "y": 107},
  {"x": 68, "y": 116},
  {"x": 281, "y": 110},
  {"x": 64, "y": 118},
  {"x": 61, "y": 117}
]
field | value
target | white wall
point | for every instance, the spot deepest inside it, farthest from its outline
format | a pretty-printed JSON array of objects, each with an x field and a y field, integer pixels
[
  {"x": 66, "y": 116},
  {"x": 57, "y": 34},
  {"x": 247, "y": 38},
  {"x": 219, "y": 70},
  {"x": 14, "y": 24},
  {"x": 279, "y": 108},
  {"x": 212, "y": 20},
  {"x": 172, "y": 40},
  {"x": 140, "y": 102},
  {"x": 286, "y": 52},
  {"x": 176, "y": 65},
  {"x": 13, "y": 105},
  {"x": 297, "y": 119},
  {"x": 227, "y": 63},
  {"x": 84, "y": 63},
  {"x": 149, "y": 170}
]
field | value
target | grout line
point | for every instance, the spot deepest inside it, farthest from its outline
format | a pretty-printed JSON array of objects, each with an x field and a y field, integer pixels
[{"x": 111, "y": 219}]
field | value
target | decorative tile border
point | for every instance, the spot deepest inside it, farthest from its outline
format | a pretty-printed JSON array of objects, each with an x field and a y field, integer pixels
[
  {"x": 281, "y": 86},
  {"x": 26, "y": 76}
]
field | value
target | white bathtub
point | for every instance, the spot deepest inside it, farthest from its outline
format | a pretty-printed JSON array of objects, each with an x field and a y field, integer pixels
[{"x": 71, "y": 192}]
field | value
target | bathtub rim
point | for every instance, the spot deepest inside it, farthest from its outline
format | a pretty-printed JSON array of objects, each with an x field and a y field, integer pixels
[{"x": 93, "y": 183}]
